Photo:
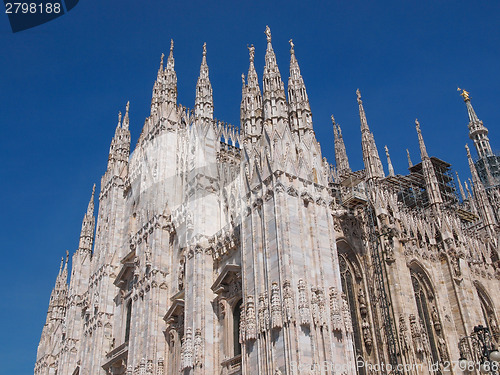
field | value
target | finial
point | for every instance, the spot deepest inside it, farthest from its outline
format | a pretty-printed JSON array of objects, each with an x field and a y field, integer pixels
[
  {"x": 464, "y": 94},
  {"x": 205, "y": 49},
  {"x": 61, "y": 266},
  {"x": 358, "y": 94},
  {"x": 468, "y": 151},
  {"x": 243, "y": 79},
  {"x": 119, "y": 118},
  {"x": 417, "y": 124},
  {"x": 292, "y": 45},
  {"x": 93, "y": 192},
  {"x": 333, "y": 120},
  {"x": 386, "y": 150},
  {"x": 127, "y": 108},
  {"x": 251, "y": 51},
  {"x": 161, "y": 60},
  {"x": 67, "y": 257},
  {"x": 171, "y": 45},
  {"x": 268, "y": 34}
]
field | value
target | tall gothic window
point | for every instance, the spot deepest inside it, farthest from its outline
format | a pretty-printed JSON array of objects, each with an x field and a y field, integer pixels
[
  {"x": 355, "y": 294},
  {"x": 430, "y": 323},
  {"x": 489, "y": 317}
]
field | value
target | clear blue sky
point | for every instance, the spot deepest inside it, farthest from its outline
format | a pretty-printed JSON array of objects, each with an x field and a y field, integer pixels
[{"x": 63, "y": 83}]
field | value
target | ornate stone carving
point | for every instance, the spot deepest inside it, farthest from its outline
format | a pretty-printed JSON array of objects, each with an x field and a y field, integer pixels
[
  {"x": 335, "y": 312},
  {"x": 403, "y": 334},
  {"x": 264, "y": 319},
  {"x": 367, "y": 335},
  {"x": 251, "y": 323},
  {"x": 418, "y": 345},
  {"x": 276, "y": 314},
  {"x": 304, "y": 312},
  {"x": 347, "y": 314},
  {"x": 187, "y": 350},
  {"x": 198, "y": 348},
  {"x": 288, "y": 306}
]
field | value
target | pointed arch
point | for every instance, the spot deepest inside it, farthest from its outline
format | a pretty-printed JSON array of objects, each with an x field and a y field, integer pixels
[
  {"x": 355, "y": 293},
  {"x": 488, "y": 310},
  {"x": 430, "y": 322}
]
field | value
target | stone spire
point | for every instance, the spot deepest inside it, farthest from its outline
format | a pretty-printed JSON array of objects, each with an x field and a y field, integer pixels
[
  {"x": 275, "y": 105},
  {"x": 251, "y": 102},
  {"x": 340, "y": 152},
  {"x": 119, "y": 149},
  {"x": 462, "y": 193},
  {"x": 389, "y": 163},
  {"x": 470, "y": 198},
  {"x": 204, "y": 103},
  {"x": 88, "y": 226},
  {"x": 477, "y": 132},
  {"x": 410, "y": 164},
  {"x": 299, "y": 108},
  {"x": 126, "y": 120},
  {"x": 165, "y": 87},
  {"x": 58, "y": 297},
  {"x": 431, "y": 182},
  {"x": 482, "y": 202},
  {"x": 373, "y": 165}
]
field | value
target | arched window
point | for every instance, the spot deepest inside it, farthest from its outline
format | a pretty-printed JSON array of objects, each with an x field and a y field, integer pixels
[
  {"x": 355, "y": 295},
  {"x": 489, "y": 317},
  {"x": 429, "y": 323}
]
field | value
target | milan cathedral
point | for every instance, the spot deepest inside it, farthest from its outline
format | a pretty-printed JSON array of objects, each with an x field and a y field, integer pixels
[{"x": 225, "y": 250}]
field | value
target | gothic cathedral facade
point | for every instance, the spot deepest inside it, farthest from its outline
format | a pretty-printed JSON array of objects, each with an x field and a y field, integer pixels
[{"x": 225, "y": 250}]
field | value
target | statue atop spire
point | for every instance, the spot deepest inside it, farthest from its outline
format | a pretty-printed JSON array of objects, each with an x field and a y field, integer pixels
[
  {"x": 464, "y": 94},
  {"x": 292, "y": 45},
  {"x": 161, "y": 61},
  {"x": 268, "y": 34},
  {"x": 251, "y": 51}
]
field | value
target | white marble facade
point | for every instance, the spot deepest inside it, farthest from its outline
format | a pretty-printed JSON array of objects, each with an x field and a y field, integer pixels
[{"x": 220, "y": 250}]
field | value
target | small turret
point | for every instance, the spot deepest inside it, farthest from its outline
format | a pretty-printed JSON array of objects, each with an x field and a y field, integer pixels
[
  {"x": 204, "y": 104},
  {"x": 373, "y": 165}
]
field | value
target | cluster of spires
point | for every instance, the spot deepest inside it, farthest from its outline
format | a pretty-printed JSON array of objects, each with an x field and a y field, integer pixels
[{"x": 270, "y": 107}]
